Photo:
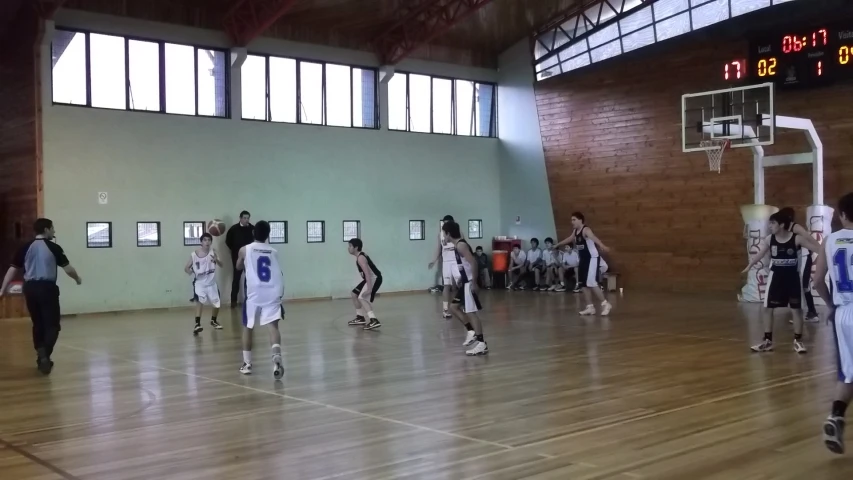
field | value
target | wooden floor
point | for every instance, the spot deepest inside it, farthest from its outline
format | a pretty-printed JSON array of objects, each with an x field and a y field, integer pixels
[{"x": 664, "y": 389}]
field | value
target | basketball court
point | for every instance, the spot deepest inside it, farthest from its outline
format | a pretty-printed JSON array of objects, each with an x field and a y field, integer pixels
[{"x": 162, "y": 120}]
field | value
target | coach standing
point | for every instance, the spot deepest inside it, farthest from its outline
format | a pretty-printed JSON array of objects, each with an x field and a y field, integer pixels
[
  {"x": 238, "y": 236},
  {"x": 39, "y": 259}
]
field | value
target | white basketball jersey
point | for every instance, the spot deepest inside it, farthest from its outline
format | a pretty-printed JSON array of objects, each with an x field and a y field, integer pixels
[
  {"x": 839, "y": 255},
  {"x": 204, "y": 269},
  {"x": 448, "y": 251},
  {"x": 264, "y": 278}
]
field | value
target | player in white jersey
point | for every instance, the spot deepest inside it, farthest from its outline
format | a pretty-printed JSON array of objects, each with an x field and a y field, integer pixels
[
  {"x": 445, "y": 253},
  {"x": 836, "y": 256},
  {"x": 202, "y": 266},
  {"x": 466, "y": 304},
  {"x": 264, "y": 293}
]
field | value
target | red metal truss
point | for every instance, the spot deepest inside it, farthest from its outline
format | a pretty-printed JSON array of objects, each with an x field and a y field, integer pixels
[
  {"x": 249, "y": 18},
  {"x": 47, "y": 8},
  {"x": 421, "y": 24}
]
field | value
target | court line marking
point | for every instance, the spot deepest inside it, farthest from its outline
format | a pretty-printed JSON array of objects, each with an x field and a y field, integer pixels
[
  {"x": 298, "y": 399},
  {"x": 38, "y": 460},
  {"x": 797, "y": 379}
]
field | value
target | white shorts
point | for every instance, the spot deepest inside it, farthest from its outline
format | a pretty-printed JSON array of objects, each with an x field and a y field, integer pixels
[
  {"x": 447, "y": 269},
  {"x": 207, "y": 294},
  {"x": 261, "y": 314},
  {"x": 844, "y": 342},
  {"x": 468, "y": 298}
]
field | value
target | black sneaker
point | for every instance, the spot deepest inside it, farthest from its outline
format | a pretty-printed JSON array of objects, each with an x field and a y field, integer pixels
[
  {"x": 215, "y": 324},
  {"x": 45, "y": 365},
  {"x": 833, "y": 434},
  {"x": 197, "y": 330},
  {"x": 373, "y": 323},
  {"x": 577, "y": 288},
  {"x": 359, "y": 320}
]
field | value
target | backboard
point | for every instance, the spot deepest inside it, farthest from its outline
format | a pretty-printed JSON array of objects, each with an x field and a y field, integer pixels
[{"x": 743, "y": 115}]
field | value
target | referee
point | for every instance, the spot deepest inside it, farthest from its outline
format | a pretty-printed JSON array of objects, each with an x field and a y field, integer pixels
[{"x": 39, "y": 259}]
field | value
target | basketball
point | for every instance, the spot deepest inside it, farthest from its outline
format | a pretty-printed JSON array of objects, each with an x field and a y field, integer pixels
[{"x": 215, "y": 227}]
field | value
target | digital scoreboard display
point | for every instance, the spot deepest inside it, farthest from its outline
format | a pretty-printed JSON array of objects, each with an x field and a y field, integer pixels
[{"x": 797, "y": 57}]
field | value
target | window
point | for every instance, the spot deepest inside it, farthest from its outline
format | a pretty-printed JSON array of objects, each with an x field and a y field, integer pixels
[
  {"x": 610, "y": 28},
  {"x": 192, "y": 233},
  {"x": 99, "y": 234},
  {"x": 278, "y": 231},
  {"x": 109, "y": 71},
  {"x": 420, "y": 103},
  {"x": 352, "y": 229},
  {"x": 475, "y": 229},
  {"x": 417, "y": 229},
  {"x": 316, "y": 231},
  {"x": 276, "y": 89},
  {"x": 147, "y": 234}
]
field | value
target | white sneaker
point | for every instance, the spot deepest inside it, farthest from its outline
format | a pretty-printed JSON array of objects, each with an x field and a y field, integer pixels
[
  {"x": 589, "y": 310},
  {"x": 479, "y": 349},
  {"x": 605, "y": 308},
  {"x": 277, "y": 367},
  {"x": 470, "y": 338},
  {"x": 246, "y": 369},
  {"x": 553, "y": 288},
  {"x": 800, "y": 347},
  {"x": 447, "y": 314}
]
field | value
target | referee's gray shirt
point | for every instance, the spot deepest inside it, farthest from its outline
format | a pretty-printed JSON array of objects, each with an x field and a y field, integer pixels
[{"x": 39, "y": 259}]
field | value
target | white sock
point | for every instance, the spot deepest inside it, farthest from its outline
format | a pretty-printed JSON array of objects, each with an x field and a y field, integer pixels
[
  {"x": 446, "y": 305},
  {"x": 590, "y": 306},
  {"x": 276, "y": 349},
  {"x": 247, "y": 357},
  {"x": 371, "y": 315},
  {"x": 604, "y": 302},
  {"x": 359, "y": 312}
]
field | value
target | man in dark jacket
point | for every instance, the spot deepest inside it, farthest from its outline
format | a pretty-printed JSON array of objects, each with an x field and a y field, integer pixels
[{"x": 238, "y": 236}]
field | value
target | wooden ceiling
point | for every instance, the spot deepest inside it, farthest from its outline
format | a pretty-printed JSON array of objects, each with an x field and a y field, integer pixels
[{"x": 476, "y": 40}]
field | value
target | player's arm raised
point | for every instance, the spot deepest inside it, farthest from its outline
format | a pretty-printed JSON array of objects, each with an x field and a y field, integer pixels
[
  {"x": 216, "y": 259},
  {"x": 587, "y": 233},
  {"x": 241, "y": 259},
  {"x": 765, "y": 247},
  {"x": 368, "y": 274},
  {"x": 465, "y": 251}
]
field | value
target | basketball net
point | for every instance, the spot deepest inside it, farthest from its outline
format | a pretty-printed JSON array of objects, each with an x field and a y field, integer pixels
[{"x": 715, "y": 154}]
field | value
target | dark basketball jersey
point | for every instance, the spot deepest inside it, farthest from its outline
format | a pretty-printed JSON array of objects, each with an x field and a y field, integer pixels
[
  {"x": 376, "y": 272},
  {"x": 586, "y": 250},
  {"x": 784, "y": 257},
  {"x": 465, "y": 269}
]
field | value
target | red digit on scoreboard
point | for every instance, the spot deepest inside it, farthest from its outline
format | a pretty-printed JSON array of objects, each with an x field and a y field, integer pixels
[
  {"x": 819, "y": 69},
  {"x": 787, "y": 44}
]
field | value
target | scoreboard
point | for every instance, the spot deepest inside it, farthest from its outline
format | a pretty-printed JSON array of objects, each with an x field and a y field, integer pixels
[{"x": 797, "y": 57}]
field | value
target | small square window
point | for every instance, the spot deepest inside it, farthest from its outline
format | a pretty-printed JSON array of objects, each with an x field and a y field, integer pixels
[
  {"x": 316, "y": 231},
  {"x": 278, "y": 231},
  {"x": 192, "y": 233},
  {"x": 475, "y": 229},
  {"x": 147, "y": 234},
  {"x": 352, "y": 229},
  {"x": 99, "y": 234},
  {"x": 416, "y": 229}
]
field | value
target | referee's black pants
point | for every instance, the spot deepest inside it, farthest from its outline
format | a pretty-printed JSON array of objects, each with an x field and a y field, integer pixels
[
  {"x": 43, "y": 303},
  {"x": 235, "y": 281}
]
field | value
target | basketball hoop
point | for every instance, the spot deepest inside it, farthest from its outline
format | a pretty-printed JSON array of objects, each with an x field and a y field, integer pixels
[{"x": 715, "y": 148}]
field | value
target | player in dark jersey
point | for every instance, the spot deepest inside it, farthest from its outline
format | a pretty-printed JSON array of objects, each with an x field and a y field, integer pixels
[
  {"x": 811, "y": 313},
  {"x": 784, "y": 287},
  {"x": 365, "y": 292},
  {"x": 588, "y": 246}
]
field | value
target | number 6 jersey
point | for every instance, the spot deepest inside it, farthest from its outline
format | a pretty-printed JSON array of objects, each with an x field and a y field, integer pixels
[
  {"x": 264, "y": 278},
  {"x": 839, "y": 255}
]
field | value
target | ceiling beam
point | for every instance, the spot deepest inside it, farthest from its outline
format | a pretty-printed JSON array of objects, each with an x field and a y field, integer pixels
[
  {"x": 421, "y": 24},
  {"x": 249, "y": 18}
]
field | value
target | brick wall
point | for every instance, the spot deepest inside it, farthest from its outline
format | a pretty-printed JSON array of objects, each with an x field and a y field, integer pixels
[
  {"x": 18, "y": 182},
  {"x": 612, "y": 143}
]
